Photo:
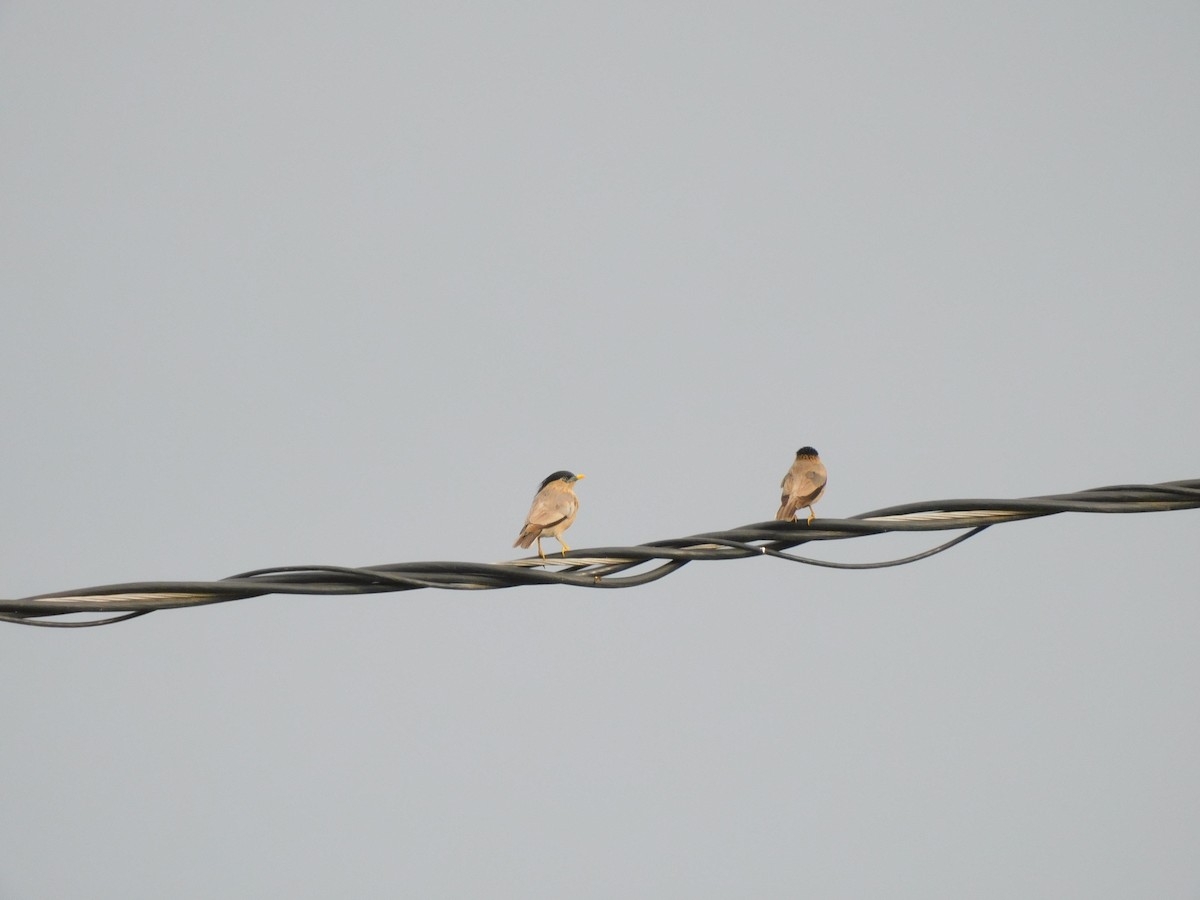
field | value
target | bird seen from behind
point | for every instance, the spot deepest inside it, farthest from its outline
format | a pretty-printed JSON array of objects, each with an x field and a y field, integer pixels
[
  {"x": 554, "y": 508},
  {"x": 803, "y": 485}
]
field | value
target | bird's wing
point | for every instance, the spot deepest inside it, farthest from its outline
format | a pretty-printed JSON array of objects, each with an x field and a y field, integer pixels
[
  {"x": 808, "y": 482},
  {"x": 815, "y": 479},
  {"x": 551, "y": 506}
]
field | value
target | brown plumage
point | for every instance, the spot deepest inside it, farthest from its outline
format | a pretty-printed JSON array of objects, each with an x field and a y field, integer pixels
[
  {"x": 803, "y": 485},
  {"x": 553, "y": 511}
]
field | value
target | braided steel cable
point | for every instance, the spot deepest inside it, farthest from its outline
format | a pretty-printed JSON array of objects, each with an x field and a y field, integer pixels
[{"x": 603, "y": 567}]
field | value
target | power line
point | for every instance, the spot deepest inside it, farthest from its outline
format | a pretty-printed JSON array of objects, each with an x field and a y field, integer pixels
[{"x": 602, "y": 567}]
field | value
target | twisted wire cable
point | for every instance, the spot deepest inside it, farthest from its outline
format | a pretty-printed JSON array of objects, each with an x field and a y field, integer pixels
[{"x": 603, "y": 567}]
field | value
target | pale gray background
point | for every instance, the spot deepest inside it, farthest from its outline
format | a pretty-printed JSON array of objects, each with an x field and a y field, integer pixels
[{"x": 340, "y": 283}]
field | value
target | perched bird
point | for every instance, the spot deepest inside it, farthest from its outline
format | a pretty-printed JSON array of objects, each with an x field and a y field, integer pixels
[
  {"x": 553, "y": 511},
  {"x": 803, "y": 485}
]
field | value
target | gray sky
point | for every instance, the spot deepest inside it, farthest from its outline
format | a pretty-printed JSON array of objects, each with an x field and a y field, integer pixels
[{"x": 311, "y": 283}]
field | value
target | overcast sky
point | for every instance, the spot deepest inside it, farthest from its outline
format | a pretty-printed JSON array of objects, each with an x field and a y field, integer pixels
[{"x": 299, "y": 283}]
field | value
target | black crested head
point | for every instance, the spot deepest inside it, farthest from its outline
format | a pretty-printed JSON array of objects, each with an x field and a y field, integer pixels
[
  {"x": 806, "y": 451},
  {"x": 560, "y": 475}
]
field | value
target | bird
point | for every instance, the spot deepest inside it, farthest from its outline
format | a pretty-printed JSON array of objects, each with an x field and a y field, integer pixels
[
  {"x": 803, "y": 485},
  {"x": 553, "y": 510}
]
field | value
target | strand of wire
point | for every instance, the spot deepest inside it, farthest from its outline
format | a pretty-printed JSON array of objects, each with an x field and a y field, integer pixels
[{"x": 604, "y": 567}]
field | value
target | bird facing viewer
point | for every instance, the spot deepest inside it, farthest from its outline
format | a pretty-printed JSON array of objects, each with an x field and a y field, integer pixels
[
  {"x": 553, "y": 510},
  {"x": 803, "y": 485}
]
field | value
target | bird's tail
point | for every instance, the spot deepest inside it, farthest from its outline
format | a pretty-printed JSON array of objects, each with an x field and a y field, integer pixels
[
  {"x": 787, "y": 512},
  {"x": 526, "y": 538}
]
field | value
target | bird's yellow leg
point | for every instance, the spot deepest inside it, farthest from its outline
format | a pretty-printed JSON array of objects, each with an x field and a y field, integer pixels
[
  {"x": 564, "y": 545},
  {"x": 811, "y": 515},
  {"x": 541, "y": 552}
]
